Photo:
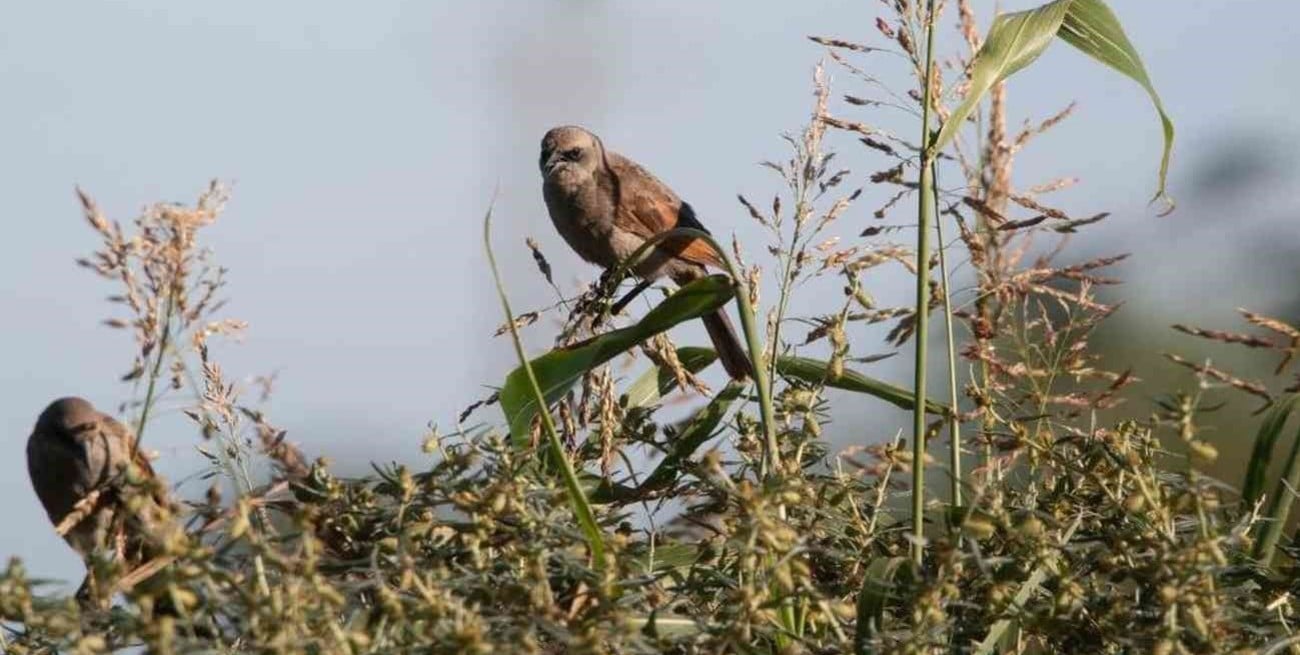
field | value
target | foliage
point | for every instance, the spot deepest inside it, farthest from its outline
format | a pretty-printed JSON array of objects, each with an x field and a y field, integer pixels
[{"x": 730, "y": 525}]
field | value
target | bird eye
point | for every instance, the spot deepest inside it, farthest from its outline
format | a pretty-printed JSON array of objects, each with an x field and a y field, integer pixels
[{"x": 572, "y": 154}]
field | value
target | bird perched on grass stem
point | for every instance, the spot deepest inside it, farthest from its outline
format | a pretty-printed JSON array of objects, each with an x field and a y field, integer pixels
[
  {"x": 98, "y": 490},
  {"x": 606, "y": 206}
]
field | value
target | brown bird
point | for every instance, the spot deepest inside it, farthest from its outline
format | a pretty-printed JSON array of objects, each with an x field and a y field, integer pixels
[
  {"x": 606, "y": 206},
  {"x": 78, "y": 458}
]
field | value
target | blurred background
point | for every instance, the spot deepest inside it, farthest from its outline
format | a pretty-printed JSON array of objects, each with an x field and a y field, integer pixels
[{"x": 364, "y": 142}]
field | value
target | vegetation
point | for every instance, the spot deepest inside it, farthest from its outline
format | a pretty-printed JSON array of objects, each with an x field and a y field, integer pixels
[{"x": 593, "y": 520}]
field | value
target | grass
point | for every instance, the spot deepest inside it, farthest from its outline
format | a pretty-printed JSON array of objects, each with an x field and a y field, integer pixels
[{"x": 602, "y": 516}]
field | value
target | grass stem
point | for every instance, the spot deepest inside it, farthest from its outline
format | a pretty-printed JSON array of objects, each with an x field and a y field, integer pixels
[
  {"x": 163, "y": 342},
  {"x": 577, "y": 498},
  {"x": 954, "y": 422},
  {"x": 925, "y": 219}
]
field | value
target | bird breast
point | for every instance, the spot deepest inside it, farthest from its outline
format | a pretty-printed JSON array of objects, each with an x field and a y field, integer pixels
[{"x": 584, "y": 221}]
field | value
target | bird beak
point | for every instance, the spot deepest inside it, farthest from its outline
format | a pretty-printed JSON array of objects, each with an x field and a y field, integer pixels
[{"x": 551, "y": 162}]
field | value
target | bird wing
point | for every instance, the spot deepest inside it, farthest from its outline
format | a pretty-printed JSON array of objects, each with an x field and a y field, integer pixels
[
  {"x": 122, "y": 445},
  {"x": 647, "y": 207},
  {"x": 115, "y": 445},
  {"x": 52, "y": 465}
]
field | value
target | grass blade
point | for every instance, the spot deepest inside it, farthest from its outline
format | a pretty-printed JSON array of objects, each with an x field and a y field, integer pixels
[
  {"x": 1014, "y": 41},
  {"x": 816, "y": 371},
  {"x": 1049, "y": 565},
  {"x": 577, "y": 499},
  {"x": 989, "y": 645},
  {"x": 1092, "y": 27},
  {"x": 658, "y": 382},
  {"x": 1262, "y": 453},
  {"x": 559, "y": 369},
  {"x": 698, "y": 429},
  {"x": 1279, "y": 506},
  {"x": 877, "y": 587}
]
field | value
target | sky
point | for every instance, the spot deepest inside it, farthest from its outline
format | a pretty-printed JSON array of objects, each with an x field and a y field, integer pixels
[{"x": 364, "y": 141}]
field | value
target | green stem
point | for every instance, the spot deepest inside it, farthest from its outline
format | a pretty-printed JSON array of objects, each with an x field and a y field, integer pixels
[
  {"x": 925, "y": 219},
  {"x": 577, "y": 499},
  {"x": 163, "y": 342},
  {"x": 748, "y": 325},
  {"x": 1279, "y": 506},
  {"x": 762, "y": 382},
  {"x": 954, "y": 422}
]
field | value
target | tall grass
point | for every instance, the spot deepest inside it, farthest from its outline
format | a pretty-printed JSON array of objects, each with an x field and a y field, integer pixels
[{"x": 630, "y": 509}]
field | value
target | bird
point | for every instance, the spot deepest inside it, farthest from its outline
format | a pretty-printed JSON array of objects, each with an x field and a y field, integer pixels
[
  {"x": 606, "y": 206},
  {"x": 78, "y": 459}
]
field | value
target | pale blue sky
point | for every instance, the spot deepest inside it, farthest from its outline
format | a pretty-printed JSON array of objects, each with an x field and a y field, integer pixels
[{"x": 364, "y": 141}]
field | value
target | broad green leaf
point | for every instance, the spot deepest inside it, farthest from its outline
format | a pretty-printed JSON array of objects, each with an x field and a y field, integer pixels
[
  {"x": 1049, "y": 565},
  {"x": 657, "y": 382},
  {"x": 1092, "y": 27},
  {"x": 666, "y": 556},
  {"x": 559, "y": 369},
  {"x": 665, "y": 625},
  {"x": 878, "y": 586},
  {"x": 695, "y": 431},
  {"x": 989, "y": 645},
  {"x": 1014, "y": 41},
  {"x": 1279, "y": 505},
  {"x": 816, "y": 371},
  {"x": 1262, "y": 453}
]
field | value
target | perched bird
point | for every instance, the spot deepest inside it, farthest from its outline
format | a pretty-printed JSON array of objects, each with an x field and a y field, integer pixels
[
  {"x": 78, "y": 460},
  {"x": 606, "y": 206}
]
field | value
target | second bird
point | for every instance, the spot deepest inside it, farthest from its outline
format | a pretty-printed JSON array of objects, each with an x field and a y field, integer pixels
[{"x": 606, "y": 206}]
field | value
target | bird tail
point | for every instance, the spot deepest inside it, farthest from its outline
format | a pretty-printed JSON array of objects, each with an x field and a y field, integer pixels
[{"x": 728, "y": 347}]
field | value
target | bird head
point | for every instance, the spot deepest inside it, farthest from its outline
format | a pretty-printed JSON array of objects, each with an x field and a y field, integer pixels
[
  {"x": 570, "y": 153},
  {"x": 67, "y": 416}
]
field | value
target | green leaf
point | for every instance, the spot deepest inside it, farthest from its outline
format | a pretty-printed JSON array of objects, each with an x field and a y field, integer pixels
[
  {"x": 667, "y": 557},
  {"x": 1014, "y": 41},
  {"x": 1092, "y": 27},
  {"x": 559, "y": 369},
  {"x": 989, "y": 645},
  {"x": 878, "y": 587},
  {"x": 1279, "y": 505},
  {"x": 527, "y": 385},
  {"x": 657, "y": 382},
  {"x": 665, "y": 626},
  {"x": 1262, "y": 453},
  {"x": 695, "y": 431},
  {"x": 1049, "y": 565},
  {"x": 816, "y": 371}
]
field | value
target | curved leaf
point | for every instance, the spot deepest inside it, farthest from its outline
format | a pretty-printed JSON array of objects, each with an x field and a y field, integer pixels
[
  {"x": 1014, "y": 41},
  {"x": 559, "y": 369},
  {"x": 1279, "y": 505},
  {"x": 1092, "y": 27},
  {"x": 695, "y": 431},
  {"x": 657, "y": 382},
  {"x": 989, "y": 645},
  {"x": 816, "y": 371},
  {"x": 526, "y": 384},
  {"x": 1262, "y": 453},
  {"x": 878, "y": 586}
]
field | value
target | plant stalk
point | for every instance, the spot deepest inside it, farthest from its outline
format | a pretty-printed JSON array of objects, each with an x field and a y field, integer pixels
[
  {"x": 163, "y": 342},
  {"x": 577, "y": 499},
  {"x": 925, "y": 216},
  {"x": 1279, "y": 506},
  {"x": 748, "y": 325},
  {"x": 954, "y": 422}
]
